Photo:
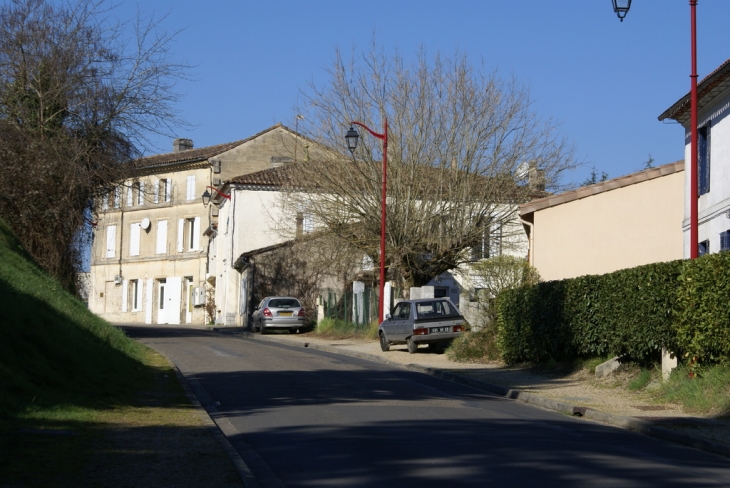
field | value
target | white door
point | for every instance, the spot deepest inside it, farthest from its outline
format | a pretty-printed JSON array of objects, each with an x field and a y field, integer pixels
[{"x": 173, "y": 299}]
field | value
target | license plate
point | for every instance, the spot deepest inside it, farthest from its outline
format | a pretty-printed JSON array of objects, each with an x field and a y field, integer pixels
[
  {"x": 285, "y": 314},
  {"x": 440, "y": 329}
]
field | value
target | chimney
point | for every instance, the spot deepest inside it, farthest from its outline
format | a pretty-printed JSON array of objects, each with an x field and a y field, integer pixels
[
  {"x": 536, "y": 177},
  {"x": 181, "y": 145}
]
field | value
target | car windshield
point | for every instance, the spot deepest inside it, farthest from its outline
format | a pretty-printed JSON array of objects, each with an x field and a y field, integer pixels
[
  {"x": 434, "y": 309},
  {"x": 284, "y": 303}
]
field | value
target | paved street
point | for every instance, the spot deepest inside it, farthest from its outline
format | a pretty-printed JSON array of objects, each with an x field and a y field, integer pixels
[{"x": 300, "y": 417}]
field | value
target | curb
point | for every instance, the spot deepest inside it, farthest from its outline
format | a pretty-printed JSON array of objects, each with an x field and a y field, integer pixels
[{"x": 623, "y": 422}]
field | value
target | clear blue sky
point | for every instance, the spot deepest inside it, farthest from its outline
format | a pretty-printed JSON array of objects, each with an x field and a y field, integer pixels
[{"x": 604, "y": 80}]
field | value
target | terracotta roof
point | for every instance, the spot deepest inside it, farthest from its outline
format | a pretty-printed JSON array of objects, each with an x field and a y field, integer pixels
[
  {"x": 587, "y": 191},
  {"x": 201, "y": 153},
  {"x": 270, "y": 178},
  {"x": 707, "y": 91}
]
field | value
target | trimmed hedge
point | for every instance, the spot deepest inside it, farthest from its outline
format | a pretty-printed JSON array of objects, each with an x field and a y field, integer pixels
[{"x": 683, "y": 306}]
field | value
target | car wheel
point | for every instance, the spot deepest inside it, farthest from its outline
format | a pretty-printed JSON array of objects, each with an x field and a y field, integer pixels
[
  {"x": 412, "y": 346},
  {"x": 262, "y": 328},
  {"x": 384, "y": 345}
]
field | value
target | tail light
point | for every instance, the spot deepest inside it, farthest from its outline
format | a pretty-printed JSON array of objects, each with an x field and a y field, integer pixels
[
  {"x": 420, "y": 331},
  {"x": 266, "y": 312},
  {"x": 301, "y": 312},
  {"x": 458, "y": 328}
]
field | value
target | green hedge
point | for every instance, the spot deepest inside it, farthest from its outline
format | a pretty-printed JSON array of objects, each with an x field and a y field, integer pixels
[{"x": 630, "y": 312}]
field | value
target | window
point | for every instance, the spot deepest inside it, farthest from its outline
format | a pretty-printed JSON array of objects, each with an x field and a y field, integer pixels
[
  {"x": 111, "y": 240},
  {"x": 138, "y": 191},
  {"x": 703, "y": 159},
  {"x": 725, "y": 240},
  {"x": 166, "y": 190},
  {"x": 402, "y": 311},
  {"x": 105, "y": 200},
  {"x": 135, "y": 295},
  {"x": 188, "y": 234},
  {"x": 161, "y": 247},
  {"x": 489, "y": 243},
  {"x": 130, "y": 196},
  {"x": 117, "y": 197},
  {"x": 134, "y": 232},
  {"x": 191, "y": 188},
  {"x": 704, "y": 248}
]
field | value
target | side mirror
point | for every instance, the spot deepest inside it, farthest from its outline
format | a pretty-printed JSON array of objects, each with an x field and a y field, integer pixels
[{"x": 387, "y": 316}]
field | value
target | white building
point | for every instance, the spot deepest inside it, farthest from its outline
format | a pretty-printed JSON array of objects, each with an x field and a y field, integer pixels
[{"x": 713, "y": 160}]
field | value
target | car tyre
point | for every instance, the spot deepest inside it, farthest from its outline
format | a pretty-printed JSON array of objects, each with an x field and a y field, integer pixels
[
  {"x": 412, "y": 346},
  {"x": 384, "y": 345},
  {"x": 262, "y": 328}
]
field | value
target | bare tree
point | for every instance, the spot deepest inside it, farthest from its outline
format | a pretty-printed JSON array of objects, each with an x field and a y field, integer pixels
[
  {"x": 465, "y": 146},
  {"x": 79, "y": 95}
]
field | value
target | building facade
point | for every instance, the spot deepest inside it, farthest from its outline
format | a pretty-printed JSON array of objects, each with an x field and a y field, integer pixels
[
  {"x": 149, "y": 256},
  {"x": 713, "y": 160},
  {"x": 616, "y": 224}
]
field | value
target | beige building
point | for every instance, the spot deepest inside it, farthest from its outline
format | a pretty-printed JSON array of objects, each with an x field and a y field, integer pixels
[
  {"x": 616, "y": 224},
  {"x": 149, "y": 256}
]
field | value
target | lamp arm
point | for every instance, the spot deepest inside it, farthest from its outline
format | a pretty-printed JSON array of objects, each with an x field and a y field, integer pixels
[
  {"x": 219, "y": 192},
  {"x": 373, "y": 133}
]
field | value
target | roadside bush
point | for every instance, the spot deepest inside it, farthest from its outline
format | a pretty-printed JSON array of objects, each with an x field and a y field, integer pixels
[{"x": 628, "y": 312}]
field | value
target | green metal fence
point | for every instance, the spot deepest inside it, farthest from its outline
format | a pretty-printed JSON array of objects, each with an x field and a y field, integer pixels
[{"x": 357, "y": 309}]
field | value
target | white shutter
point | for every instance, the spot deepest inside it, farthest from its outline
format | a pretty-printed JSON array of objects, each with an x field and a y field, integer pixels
[
  {"x": 134, "y": 239},
  {"x": 117, "y": 197},
  {"x": 130, "y": 197},
  {"x": 168, "y": 188},
  {"x": 105, "y": 201},
  {"x": 138, "y": 301},
  {"x": 140, "y": 195},
  {"x": 196, "y": 234},
  {"x": 191, "y": 187},
  {"x": 157, "y": 192},
  {"x": 180, "y": 234},
  {"x": 125, "y": 299},
  {"x": 161, "y": 237},
  {"x": 111, "y": 240}
]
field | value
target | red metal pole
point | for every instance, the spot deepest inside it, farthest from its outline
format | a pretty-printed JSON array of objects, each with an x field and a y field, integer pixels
[
  {"x": 381, "y": 306},
  {"x": 693, "y": 189},
  {"x": 384, "y": 138}
]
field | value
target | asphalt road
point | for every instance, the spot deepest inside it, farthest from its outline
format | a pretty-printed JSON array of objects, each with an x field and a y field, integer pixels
[{"x": 300, "y": 417}]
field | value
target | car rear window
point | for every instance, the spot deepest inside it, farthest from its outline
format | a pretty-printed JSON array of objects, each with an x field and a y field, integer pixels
[
  {"x": 434, "y": 309},
  {"x": 284, "y": 303}
]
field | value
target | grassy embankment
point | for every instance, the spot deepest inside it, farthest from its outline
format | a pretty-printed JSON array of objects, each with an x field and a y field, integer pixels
[{"x": 80, "y": 403}]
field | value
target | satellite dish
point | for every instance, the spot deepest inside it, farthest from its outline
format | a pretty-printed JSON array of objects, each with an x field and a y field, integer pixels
[
  {"x": 145, "y": 224},
  {"x": 522, "y": 170}
]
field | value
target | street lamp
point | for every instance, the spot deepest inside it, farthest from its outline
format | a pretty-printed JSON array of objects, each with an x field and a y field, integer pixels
[
  {"x": 621, "y": 11},
  {"x": 206, "y": 195},
  {"x": 352, "y": 137},
  {"x": 621, "y": 7}
]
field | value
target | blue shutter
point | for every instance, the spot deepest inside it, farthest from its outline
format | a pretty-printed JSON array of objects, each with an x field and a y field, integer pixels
[{"x": 703, "y": 159}]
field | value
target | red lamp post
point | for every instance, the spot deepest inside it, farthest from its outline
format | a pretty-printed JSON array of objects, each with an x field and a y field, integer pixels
[
  {"x": 621, "y": 7},
  {"x": 351, "y": 137}
]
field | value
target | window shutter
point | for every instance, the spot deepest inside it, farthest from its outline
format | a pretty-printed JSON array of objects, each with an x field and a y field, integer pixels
[
  {"x": 168, "y": 185},
  {"x": 111, "y": 240},
  {"x": 196, "y": 234},
  {"x": 180, "y": 234},
  {"x": 117, "y": 197},
  {"x": 125, "y": 296},
  {"x": 134, "y": 239},
  {"x": 140, "y": 195},
  {"x": 105, "y": 201},
  {"x": 191, "y": 187},
  {"x": 130, "y": 197},
  {"x": 162, "y": 237},
  {"x": 157, "y": 192}
]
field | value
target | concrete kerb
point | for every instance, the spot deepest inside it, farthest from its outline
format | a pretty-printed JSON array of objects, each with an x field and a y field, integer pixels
[{"x": 628, "y": 423}]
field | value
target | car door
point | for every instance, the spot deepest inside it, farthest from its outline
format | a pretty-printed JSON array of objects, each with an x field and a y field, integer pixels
[
  {"x": 404, "y": 324},
  {"x": 390, "y": 325}
]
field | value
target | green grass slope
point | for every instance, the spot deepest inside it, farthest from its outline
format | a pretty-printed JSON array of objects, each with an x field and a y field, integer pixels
[{"x": 54, "y": 353}]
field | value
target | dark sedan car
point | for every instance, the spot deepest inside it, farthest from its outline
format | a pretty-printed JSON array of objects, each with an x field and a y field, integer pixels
[{"x": 279, "y": 313}]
